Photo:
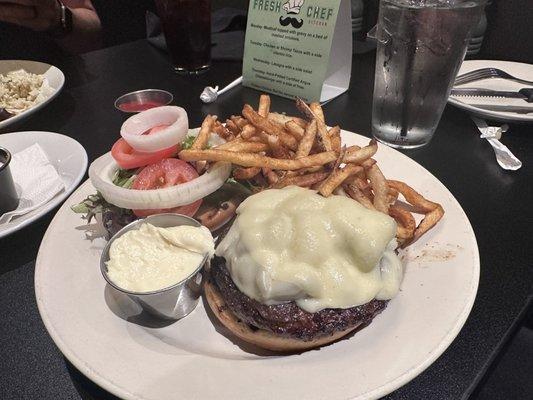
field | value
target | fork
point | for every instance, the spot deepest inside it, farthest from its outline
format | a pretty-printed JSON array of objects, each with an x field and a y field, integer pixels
[{"x": 485, "y": 73}]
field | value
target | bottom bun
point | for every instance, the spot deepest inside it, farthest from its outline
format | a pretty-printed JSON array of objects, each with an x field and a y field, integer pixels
[{"x": 260, "y": 337}]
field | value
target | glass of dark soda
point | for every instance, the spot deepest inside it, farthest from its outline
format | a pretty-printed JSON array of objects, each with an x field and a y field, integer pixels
[{"x": 187, "y": 28}]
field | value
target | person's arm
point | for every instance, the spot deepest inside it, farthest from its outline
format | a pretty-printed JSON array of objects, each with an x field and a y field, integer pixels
[{"x": 45, "y": 16}]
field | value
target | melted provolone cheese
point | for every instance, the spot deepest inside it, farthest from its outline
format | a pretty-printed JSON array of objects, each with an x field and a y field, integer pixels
[{"x": 293, "y": 244}]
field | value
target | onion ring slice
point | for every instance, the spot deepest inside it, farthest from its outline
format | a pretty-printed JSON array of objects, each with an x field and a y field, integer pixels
[
  {"x": 103, "y": 168},
  {"x": 175, "y": 117}
]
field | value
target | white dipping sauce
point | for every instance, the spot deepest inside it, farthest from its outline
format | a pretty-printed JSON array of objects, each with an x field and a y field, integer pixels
[
  {"x": 152, "y": 258},
  {"x": 292, "y": 244}
]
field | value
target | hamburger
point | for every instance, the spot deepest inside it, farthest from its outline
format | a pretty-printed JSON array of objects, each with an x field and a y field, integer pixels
[{"x": 297, "y": 270}]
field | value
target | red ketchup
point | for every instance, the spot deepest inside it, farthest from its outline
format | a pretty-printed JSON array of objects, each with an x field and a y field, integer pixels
[{"x": 138, "y": 107}]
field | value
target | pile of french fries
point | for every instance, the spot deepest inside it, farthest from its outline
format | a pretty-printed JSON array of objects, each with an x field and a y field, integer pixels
[{"x": 274, "y": 150}]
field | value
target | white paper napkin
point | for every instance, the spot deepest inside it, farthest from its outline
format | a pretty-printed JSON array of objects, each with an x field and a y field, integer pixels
[{"x": 36, "y": 181}]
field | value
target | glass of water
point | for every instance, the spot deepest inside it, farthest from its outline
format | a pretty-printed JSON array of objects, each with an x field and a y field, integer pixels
[{"x": 421, "y": 44}]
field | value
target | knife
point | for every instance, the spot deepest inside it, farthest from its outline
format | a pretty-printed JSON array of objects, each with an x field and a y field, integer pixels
[
  {"x": 502, "y": 108},
  {"x": 525, "y": 93}
]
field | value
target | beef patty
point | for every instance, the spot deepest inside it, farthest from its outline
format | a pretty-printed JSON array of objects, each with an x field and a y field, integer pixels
[{"x": 287, "y": 319}]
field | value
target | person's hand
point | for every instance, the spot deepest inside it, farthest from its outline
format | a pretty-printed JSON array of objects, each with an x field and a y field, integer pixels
[{"x": 39, "y": 15}]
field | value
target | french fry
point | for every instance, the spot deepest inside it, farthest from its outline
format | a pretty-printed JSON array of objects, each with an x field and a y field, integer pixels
[
  {"x": 221, "y": 130},
  {"x": 257, "y": 139},
  {"x": 368, "y": 163},
  {"x": 429, "y": 221},
  {"x": 357, "y": 155},
  {"x": 379, "y": 187},
  {"x": 256, "y": 160},
  {"x": 278, "y": 151},
  {"x": 270, "y": 175},
  {"x": 301, "y": 180},
  {"x": 317, "y": 110},
  {"x": 338, "y": 162},
  {"x": 239, "y": 121},
  {"x": 405, "y": 220},
  {"x": 335, "y": 137},
  {"x": 362, "y": 184},
  {"x": 233, "y": 128},
  {"x": 263, "y": 124},
  {"x": 324, "y": 137},
  {"x": 244, "y": 147},
  {"x": 248, "y": 131},
  {"x": 205, "y": 132},
  {"x": 420, "y": 203},
  {"x": 357, "y": 194},
  {"x": 336, "y": 178},
  {"x": 393, "y": 195},
  {"x": 245, "y": 173},
  {"x": 309, "y": 170},
  {"x": 230, "y": 143},
  {"x": 305, "y": 109},
  {"x": 294, "y": 129},
  {"x": 282, "y": 119},
  {"x": 264, "y": 105},
  {"x": 321, "y": 126},
  {"x": 306, "y": 144}
]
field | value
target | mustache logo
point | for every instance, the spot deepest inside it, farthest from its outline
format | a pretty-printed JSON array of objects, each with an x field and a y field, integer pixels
[{"x": 295, "y": 22}]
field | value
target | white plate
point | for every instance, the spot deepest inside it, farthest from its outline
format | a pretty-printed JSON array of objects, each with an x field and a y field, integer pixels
[
  {"x": 518, "y": 70},
  {"x": 55, "y": 77},
  {"x": 191, "y": 359},
  {"x": 66, "y": 155}
]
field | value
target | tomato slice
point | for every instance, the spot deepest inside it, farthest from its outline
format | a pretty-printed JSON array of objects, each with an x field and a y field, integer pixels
[
  {"x": 165, "y": 173},
  {"x": 128, "y": 158}
]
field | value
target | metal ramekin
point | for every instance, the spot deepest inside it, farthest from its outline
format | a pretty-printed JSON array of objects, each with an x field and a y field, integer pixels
[
  {"x": 159, "y": 96},
  {"x": 173, "y": 302},
  {"x": 8, "y": 195}
]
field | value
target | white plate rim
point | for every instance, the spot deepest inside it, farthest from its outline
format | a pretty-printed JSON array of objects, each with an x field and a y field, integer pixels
[
  {"x": 378, "y": 392},
  {"x": 37, "y": 107},
  {"x": 45, "y": 208},
  {"x": 494, "y": 115}
]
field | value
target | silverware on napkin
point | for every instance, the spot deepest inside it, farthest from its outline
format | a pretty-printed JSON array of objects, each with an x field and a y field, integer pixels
[
  {"x": 504, "y": 157},
  {"x": 210, "y": 93}
]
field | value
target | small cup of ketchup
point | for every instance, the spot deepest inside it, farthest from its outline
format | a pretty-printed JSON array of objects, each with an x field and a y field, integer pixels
[{"x": 142, "y": 100}]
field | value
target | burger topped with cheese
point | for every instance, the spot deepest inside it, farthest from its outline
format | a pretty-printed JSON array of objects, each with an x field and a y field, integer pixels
[{"x": 297, "y": 270}]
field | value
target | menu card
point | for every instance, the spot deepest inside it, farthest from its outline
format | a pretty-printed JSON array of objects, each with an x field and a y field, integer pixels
[{"x": 298, "y": 48}]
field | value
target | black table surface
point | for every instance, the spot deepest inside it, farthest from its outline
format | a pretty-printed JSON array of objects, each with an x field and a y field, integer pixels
[{"x": 498, "y": 204}]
